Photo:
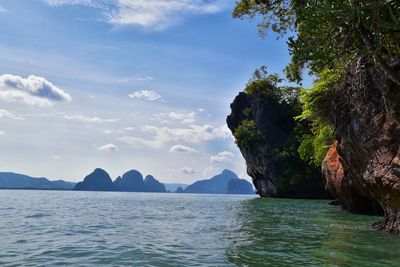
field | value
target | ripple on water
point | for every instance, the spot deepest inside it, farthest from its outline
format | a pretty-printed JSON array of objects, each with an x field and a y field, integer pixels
[
  {"x": 37, "y": 215},
  {"x": 92, "y": 228}
]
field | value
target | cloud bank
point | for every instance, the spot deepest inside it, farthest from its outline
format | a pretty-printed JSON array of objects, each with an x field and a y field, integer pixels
[
  {"x": 34, "y": 90},
  {"x": 159, "y": 136},
  {"x": 9, "y": 115}
]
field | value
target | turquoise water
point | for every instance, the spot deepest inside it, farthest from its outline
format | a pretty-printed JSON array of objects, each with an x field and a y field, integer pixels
[{"x": 51, "y": 228}]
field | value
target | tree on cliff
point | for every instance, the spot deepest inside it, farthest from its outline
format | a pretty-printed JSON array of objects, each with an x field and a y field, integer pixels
[{"x": 330, "y": 33}]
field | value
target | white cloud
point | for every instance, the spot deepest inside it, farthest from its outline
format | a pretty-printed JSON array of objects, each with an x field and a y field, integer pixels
[
  {"x": 222, "y": 156},
  {"x": 187, "y": 170},
  {"x": 83, "y": 118},
  {"x": 86, "y": 119},
  {"x": 56, "y": 157},
  {"x": 33, "y": 90},
  {"x": 108, "y": 147},
  {"x": 9, "y": 115},
  {"x": 185, "y": 118},
  {"x": 90, "y": 3},
  {"x": 183, "y": 149},
  {"x": 2, "y": 132},
  {"x": 3, "y": 10},
  {"x": 194, "y": 134},
  {"x": 161, "y": 136},
  {"x": 136, "y": 78},
  {"x": 138, "y": 142},
  {"x": 188, "y": 121},
  {"x": 107, "y": 131},
  {"x": 111, "y": 120},
  {"x": 149, "y": 14},
  {"x": 145, "y": 94},
  {"x": 181, "y": 116},
  {"x": 201, "y": 110}
]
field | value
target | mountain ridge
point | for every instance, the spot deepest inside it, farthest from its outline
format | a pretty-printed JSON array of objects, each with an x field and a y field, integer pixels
[
  {"x": 12, "y": 180},
  {"x": 221, "y": 184}
]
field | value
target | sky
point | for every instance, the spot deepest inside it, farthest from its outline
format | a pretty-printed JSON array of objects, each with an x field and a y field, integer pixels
[{"x": 125, "y": 84}]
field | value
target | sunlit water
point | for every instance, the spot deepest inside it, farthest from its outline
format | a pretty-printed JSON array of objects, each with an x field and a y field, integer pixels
[{"x": 142, "y": 229}]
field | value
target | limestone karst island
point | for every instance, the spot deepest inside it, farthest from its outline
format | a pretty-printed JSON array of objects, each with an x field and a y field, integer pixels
[{"x": 200, "y": 133}]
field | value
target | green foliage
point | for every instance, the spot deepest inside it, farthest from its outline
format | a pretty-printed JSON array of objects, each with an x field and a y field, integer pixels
[
  {"x": 247, "y": 112},
  {"x": 330, "y": 34},
  {"x": 322, "y": 142},
  {"x": 268, "y": 85},
  {"x": 306, "y": 148},
  {"x": 261, "y": 81},
  {"x": 277, "y": 15},
  {"x": 247, "y": 135},
  {"x": 313, "y": 100},
  {"x": 314, "y": 146}
]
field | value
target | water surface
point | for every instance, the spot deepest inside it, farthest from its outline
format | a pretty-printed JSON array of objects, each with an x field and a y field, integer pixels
[{"x": 143, "y": 229}]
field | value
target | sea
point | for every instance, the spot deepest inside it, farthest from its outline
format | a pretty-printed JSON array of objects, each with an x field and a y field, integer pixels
[{"x": 68, "y": 228}]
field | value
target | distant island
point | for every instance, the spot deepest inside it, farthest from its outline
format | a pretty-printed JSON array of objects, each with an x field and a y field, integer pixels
[
  {"x": 131, "y": 181},
  {"x": 10, "y": 180},
  {"x": 174, "y": 187},
  {"x": 226, "y": 182}
]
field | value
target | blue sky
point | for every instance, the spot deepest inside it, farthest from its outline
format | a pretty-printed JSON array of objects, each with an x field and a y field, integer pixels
[{"x": 124, "y": 84}]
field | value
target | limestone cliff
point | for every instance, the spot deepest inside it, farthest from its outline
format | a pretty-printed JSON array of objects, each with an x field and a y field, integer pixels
[
  {"x": 364, "y": 110},
  {"x": 269, "y": 146},
  {"x": 348, "y": 196}
]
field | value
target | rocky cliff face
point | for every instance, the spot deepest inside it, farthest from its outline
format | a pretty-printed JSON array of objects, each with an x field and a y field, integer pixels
[
  {"x": 272, "y": 173},
  {"x": 365, "y": 173},
  {"x": 348, "y": 196}
]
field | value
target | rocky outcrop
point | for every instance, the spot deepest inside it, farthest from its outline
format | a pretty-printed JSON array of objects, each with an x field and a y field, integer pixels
[
  {"x": 98, "y": 180},
  {"x": 131, "y": 181},
  {"x": 273, "y": 175},
  {"x": 152, "y": 185},
  {"x": 365, "y": 110},
  {"x": 348, "y": 196}
]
